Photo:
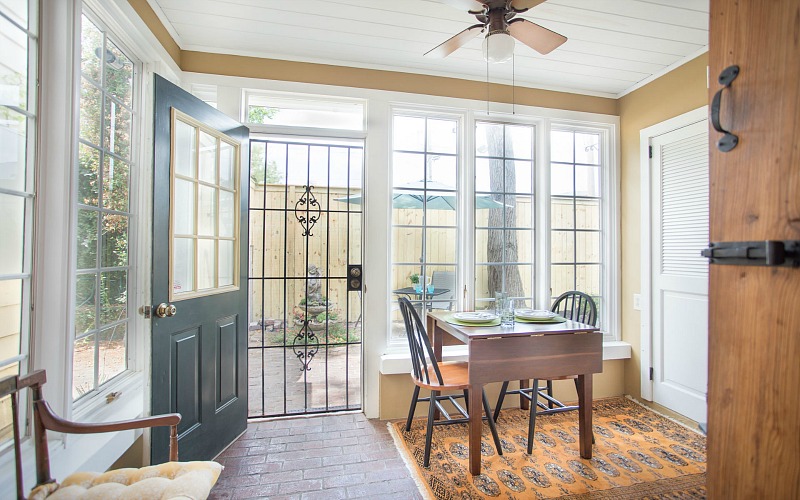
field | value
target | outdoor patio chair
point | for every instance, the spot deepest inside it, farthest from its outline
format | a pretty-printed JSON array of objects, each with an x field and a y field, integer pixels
[
  {"x": 427, "y": 373},
  {"x": 573, "y": 305},
  {"x": 444, "y": 279},
  {"x": 178, "y": 480}
]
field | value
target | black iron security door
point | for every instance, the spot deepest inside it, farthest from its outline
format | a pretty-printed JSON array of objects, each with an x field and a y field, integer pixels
[{"x": 305, "y": 329}]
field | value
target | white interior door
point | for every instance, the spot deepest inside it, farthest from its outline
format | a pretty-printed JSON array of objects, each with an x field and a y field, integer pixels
[{"x": 679, "y": 197}]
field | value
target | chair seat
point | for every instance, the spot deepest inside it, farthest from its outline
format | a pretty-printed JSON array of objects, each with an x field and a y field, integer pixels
[
  {"x": 172, "y": 480},
  {"x": 455, "y": 375}
]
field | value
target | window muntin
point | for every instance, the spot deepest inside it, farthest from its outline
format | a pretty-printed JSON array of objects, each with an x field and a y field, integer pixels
[
  {"x": 504, "y": 212},
  {"x": 425, "y": 172},
  {"x": 576, "y": 235},
  {"x": 204, "y": 215},
  {"x": 102, "y": 215},
  {"x": 18, "y": 77}
]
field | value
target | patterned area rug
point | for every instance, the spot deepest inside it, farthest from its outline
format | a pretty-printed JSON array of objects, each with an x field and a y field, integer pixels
[{"x": 638, "y": 454}]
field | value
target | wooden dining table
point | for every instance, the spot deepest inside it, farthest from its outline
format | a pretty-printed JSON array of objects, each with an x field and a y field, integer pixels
[{"x": 525, "y": 351}]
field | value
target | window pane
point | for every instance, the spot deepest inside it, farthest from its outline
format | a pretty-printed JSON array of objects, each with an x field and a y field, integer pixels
[
  {"x": 587, "y": 214},
  {"x": 13, "y": 129},
  {"x": 117, "y": 129},
  {"x": 408, "y": 133},
  {"x": 227, "y": 214},
  {"x": 519, "y": 142},
  {"x": 208, "y": 158},
  {"x": 587, "y": 148},
  {"x": 119, "y": 74},
  {"x": 305, "y": 111},
  {"x": 442, "y": 170},
  {"x": 10, "y": 318},
  {"x": 206, "y": 264},
  {"x": 114, "y": 299},
  {"x": 115, "y": 240},
  {"x": 587, "y": 246},
  {"x": 442, "y": 136},
  {"x": 91, "y": 104},
  {"x": 440, "y": 245},
  {"x": 226, "y": 164},
  {"x": 91, "y": 49},
  {"x": 489, "y": 139},
  {"x": 185, "y": 149},
  {"x": 518, "y": 279},
  {"x": 85, "y": 300},
  {"x": 12, "y": 229},
  {"x": 183, "y": 207},
  {"x": 561, "y": 181},
  {"x": 206, "y": 211},
  {"x": 407, "y": 168},
  {"x": 13, "y": 65},
  {"x": 407, "y": 244},
  {"x": 183, "y": 265},
  {"x": 522, "y": 213},
  {"x": 562, "y": 246},
  {"x": 562, "y": 213},
  {"x": 587, "y": 181},
  {"x": 588, "y": 279},
  {"x": 16, "y": 10},
  {"x": 83, "y": 363},
  {"x": 87, "y": 239},
  {"x": 226, "y": 263},
  {"x": 562, "y": 279},
  {"x": 115, "y": 184},
  {"x": 88, "y": 175},
  {"x": 561, "y": 146},
  {"x": 112, "y": 344},
  {"x": 519, "y": 177}
]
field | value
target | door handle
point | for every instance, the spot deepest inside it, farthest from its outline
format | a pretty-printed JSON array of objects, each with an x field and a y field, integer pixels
[
  {"x": 729, "y": 140},
  {"x": 164, "y": 310}
]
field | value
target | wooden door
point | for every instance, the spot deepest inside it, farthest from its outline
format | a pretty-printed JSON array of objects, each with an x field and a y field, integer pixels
[
  {"x": 679, "y": 275},
  {"x": 200, "y": 196},
  {"x": 754, "y": 314}
]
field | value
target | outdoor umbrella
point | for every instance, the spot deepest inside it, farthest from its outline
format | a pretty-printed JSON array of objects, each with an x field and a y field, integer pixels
[{"x": 411, "y": 195}]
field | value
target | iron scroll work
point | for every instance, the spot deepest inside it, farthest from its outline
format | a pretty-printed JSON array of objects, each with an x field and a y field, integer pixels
[
  {"x": 307, "y": 210},
  {"x": 754, "y": 253}
]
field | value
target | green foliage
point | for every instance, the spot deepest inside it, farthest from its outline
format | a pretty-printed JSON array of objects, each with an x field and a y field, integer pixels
[
  {"x": 260, "y": 114},
  {"x": 414, "y": 278}
]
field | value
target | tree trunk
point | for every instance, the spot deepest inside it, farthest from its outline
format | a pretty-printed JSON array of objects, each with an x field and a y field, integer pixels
[{"x": 502, "y": 245}]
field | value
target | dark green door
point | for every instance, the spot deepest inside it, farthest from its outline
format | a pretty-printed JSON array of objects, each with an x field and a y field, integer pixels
[{"x": 199, "y": 327}]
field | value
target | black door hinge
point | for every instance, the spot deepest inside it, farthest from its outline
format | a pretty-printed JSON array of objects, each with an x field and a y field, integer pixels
[
  {"x": 754, "y": 253},
  {"x": 651, "y": 373},
  {"x": 650, "y": 151}
]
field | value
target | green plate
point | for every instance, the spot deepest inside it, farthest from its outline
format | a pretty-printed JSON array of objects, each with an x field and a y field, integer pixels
[
  {"x": 450, "y": 319},
  {"x": 557, "y": 319}
]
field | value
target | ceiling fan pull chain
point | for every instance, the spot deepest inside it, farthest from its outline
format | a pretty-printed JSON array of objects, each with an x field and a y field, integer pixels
[{"x": 513, "y": 85}]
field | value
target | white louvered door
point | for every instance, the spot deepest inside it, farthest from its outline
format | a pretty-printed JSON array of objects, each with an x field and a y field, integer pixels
[{"x": 679, "y": 183}]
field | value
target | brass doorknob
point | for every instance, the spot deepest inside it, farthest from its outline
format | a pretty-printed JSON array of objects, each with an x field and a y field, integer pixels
[{"x": 164, "y": 310}]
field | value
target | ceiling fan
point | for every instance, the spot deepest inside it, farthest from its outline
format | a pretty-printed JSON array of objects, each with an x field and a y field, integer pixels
[{"x": 497, "y": 18}]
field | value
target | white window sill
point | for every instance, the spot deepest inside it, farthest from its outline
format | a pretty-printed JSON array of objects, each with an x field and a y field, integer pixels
[{"x": 394, "y": 363}]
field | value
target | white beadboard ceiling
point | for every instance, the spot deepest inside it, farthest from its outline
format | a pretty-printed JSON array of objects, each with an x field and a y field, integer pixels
[{"x": 613, "y": 47}]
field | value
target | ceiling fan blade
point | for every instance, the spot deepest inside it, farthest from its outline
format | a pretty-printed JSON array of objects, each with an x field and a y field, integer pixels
[
  {"x": 468, "y": 5},
  {"x": 522, "y": 5},
  {"x": 451, "y": 44},
  {"x": 537, "y": 37}
]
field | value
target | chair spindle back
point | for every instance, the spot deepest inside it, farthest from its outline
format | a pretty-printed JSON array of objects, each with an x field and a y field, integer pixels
[
  {"x": 422, "y": 356},
  {"x": 576, "y": 306}
]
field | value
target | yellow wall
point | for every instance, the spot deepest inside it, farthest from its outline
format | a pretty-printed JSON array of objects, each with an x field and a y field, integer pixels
[
  {"x": 675, "y": 93},
  {"x": 396, "y": 391}
]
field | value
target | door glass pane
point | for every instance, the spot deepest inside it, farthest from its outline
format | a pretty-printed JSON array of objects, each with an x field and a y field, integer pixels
[
  {"x": 88, "y": 175},
  {"x": 185, "y": 149},
  {"x": 226, "y": 263},
  {"x": 227, "y": 214},
  {"x": 182, "y": 265},
  {"x": 117, "y": 128},
  {"x": 13, "y": 130},
  {"x": 208, "y": 157},
  {"x": 112, "y": 356},
  {"x": 206, "y": 264},
  {"x": 183, "y": 207},
  {"x": 115, "y": 240},
  {"x": 91, "y": 49},
  {"x": 91, "y": 104},
  {"x": 87, "y": 239},
  {"x": 114, "y": 300},
  {"x": 12, "y": 223},
  {"x": 119, "y": 74},
  {"x": 115, "y": 184},
  {"x": 226, "y": 162},
  {"x": 207, "y": 211},
  {"x": 83, "y": 357},
  {"x": 85, "y": 310}
]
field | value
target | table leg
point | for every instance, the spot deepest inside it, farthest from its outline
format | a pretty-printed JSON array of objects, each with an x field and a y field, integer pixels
[
  {"x": 584, "y": 387},
  {"x": 475, "y": 426}
]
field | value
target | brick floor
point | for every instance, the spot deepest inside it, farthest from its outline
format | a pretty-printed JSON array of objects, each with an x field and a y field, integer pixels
[{"x": 335, "y": 456}]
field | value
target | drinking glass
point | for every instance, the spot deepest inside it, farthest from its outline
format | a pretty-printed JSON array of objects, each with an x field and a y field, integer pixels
[{"x": 507, "y": 313}]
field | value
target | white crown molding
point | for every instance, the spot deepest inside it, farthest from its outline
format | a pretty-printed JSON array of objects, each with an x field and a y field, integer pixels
[{"x": 656, "y": 76}]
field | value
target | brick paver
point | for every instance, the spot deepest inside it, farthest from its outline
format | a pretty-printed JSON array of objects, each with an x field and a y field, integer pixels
[{"x": 338, "y": 456}]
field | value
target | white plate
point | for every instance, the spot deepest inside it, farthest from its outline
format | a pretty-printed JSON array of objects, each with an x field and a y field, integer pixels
[
  {"x": 475, "y": 317},
  {"x": 534, "y": 314}
]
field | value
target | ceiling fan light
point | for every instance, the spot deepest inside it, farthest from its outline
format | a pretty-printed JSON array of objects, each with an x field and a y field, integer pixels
[{"x": 498, "y": 47}]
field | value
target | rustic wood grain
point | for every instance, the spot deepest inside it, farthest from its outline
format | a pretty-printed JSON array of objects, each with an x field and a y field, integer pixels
[{"x": 754, "y": 325}]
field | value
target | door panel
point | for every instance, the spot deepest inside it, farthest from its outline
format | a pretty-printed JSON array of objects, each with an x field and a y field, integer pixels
[
  {"x": 679, "y": 195},
  {"x": 199, "y": 354},
  {"x": 754, "y": 325}
]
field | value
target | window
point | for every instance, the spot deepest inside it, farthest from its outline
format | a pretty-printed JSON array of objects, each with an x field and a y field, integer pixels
[
  {"x": 425, "y": 245},
  {"x": 205, "y": 177},
  {"x": 575, "y": 209},
  {"x": 18, "y": 63},
  {"x": 504, "y": 210},
  {"x": 293, "y": 110},
  {"x": 103, "y": 211}
]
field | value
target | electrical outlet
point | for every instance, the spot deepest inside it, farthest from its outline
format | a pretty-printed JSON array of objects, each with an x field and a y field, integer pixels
[{"x": 637, "y": 301}]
